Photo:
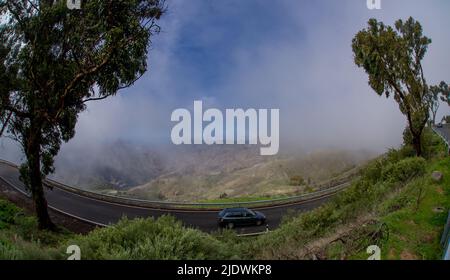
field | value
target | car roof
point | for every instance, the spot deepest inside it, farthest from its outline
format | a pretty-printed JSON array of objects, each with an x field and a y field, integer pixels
[{"x": 234, "y": 209}]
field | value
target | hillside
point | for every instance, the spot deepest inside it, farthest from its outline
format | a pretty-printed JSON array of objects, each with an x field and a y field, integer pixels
[
  {"x": 117, "y": 165},
  {"x": 199, "y": 173},
  {"x": 239, "y": 174},
  {"x": 395, "y": 204}
]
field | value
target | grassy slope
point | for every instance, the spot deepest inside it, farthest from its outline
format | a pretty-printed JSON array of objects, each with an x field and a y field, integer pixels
[
  {"x": 392, "y": 206},
  {"x": 416, "y": 231},
  {"x": 395, "y": 194},
  {"x": 20, "y": 239}
]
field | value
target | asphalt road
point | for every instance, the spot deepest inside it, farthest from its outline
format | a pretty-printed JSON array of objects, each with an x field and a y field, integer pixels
[
  {"x": 444, "y": 131},
  {"x": 105, "y": 213}
]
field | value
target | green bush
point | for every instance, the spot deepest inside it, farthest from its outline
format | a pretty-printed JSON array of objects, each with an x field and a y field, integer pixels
[
  {"x": 404, "y": 170},
  {"x": 395, "y": 155},
  {"x": 16, "y": 248},
  {"x": 144, "y": 239},
  {"x": 375, "y": 170},
  {"x": 363, "y": 196},
  {"x": 8, "y": 213},
  {"x": 431, "y": 143},
  {"x": 372, "y": 172}
]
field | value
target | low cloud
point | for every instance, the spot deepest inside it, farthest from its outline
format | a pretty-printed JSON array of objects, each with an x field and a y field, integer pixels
[{"x": 292, "y": 55}]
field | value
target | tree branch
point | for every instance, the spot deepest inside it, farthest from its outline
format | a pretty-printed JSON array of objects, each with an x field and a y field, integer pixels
[
  {"x": 5, "y": 123},
  {"x": 15, "y": 111}
]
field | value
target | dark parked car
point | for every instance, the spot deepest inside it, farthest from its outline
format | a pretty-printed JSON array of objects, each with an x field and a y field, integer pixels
[
  {"x": 439, "y": 125},
  {"x": 232, "y": 217}
]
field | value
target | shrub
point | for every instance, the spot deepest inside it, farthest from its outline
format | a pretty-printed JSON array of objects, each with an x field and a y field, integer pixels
[
  {"x": 372, "y": 172},
  {"x": 8, "y": 213},
  {"x": 18, "y": 249},
  {"x": 404, "y": 170},
  {"x": 430, "y": 142},
  {"x": 297, "y": 181},
  {"x": 164, "y": 238}
]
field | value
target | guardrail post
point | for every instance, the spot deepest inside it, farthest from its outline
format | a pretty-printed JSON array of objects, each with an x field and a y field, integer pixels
[{"x": 445, "y": 240}]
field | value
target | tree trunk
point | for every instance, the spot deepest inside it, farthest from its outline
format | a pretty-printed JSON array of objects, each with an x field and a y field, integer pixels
[
  {"x": 417, "y": 134},
  {"x": 35, "y": 181},
  {"x": 417, "y": 143}
]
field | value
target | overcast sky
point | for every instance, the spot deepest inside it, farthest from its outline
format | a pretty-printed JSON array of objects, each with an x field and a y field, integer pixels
[{"x": 286, "y": 54}]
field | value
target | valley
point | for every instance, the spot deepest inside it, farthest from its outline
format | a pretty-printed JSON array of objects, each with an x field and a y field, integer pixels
[{"x": 199, "y": 174}]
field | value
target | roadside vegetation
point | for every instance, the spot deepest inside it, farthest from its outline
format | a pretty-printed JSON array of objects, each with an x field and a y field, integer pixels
[
  {"x": 395, "y": 204},
  {"x": 20, "y": 238}
]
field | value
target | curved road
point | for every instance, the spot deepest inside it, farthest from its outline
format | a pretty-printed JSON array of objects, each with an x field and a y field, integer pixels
[
  {"x": 444, "y": 131},
  {"x": 103, "y": 213}
]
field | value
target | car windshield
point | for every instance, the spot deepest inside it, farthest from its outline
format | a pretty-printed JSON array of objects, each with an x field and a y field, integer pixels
[{"x": 251, "y": 212}]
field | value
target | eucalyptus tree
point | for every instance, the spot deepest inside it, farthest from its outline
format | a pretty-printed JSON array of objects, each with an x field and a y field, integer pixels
[
  {"x": 434, "y": 102},
  {"x": 54, "y": 60},
  {"x": 444, "y": 89},
  {"x": 392, "y": 57}
]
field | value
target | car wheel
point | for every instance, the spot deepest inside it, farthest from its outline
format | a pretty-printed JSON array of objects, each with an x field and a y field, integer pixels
[{"x": 230, "y": 225}]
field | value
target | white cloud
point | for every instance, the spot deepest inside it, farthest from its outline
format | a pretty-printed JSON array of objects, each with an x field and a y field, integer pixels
[{"x": 303, "y": 66}]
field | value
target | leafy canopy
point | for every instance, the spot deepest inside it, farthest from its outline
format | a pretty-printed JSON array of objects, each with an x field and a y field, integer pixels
[
  {"x": 392, "y": 59},
  {"x": 54, "y": 60}
]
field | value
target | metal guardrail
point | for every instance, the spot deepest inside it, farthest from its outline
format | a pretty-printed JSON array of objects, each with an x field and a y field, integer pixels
[
  {"x": 260, "y": 204},
  {"x": 198, "y": 206},
  {"x": 446, "y": 140},
  {"x": 445, "y": 240}
]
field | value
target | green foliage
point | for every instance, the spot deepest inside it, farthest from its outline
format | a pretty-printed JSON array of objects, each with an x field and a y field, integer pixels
[
  {"x": 415, "y": 226},
  {"x": 62, "y": 56},
  {"x": 20, "y": 238},
  {"x": 162, "y": 239},
  {"x": 378, "y": 180},
  {"x": 54, "y": 60},
  {"x": 392, "y": 59},
  {"x": 395, "y": 188},
  {"x": 431, "y": 143},
  {"x": 8, "y": 213},
  {"x": 434, "y": 100},
  {"x": 404, "y": 170},
  {"x": 22, "y": 250},
  {"x": 444, "y": 90},
  {"x": 374, "y": 170}
]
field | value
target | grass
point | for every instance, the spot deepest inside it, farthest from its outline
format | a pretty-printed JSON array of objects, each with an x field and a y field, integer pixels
[
  {"x": 417, "y": 227},
  {"x": 21, "y": 239},
  {"x": 392, "y": 205}
]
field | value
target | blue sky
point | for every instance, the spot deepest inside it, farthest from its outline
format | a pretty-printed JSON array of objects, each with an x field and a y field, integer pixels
[{"x": 286, "y": 54}]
